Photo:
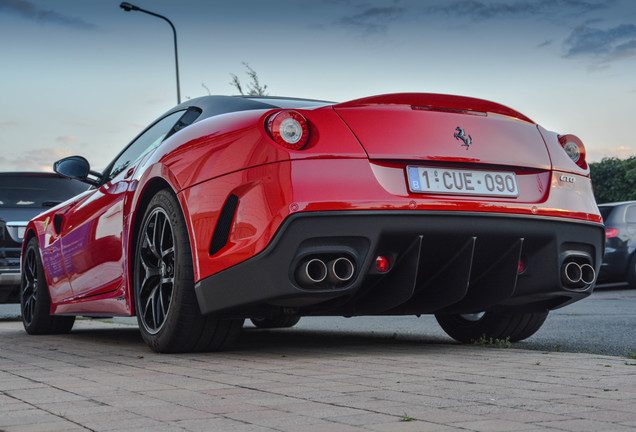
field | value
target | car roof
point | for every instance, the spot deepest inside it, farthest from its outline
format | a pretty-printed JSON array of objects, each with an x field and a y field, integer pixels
[
  {"x": 616, "y": 204},
  {"x": 30, "y": 174},
  {"x": 215, "y": 105}
]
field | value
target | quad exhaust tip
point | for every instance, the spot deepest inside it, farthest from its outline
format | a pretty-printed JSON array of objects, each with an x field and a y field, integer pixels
[
  {"x": 314, "y": 272},
  {"x": 340, "y": 270},
  {"x": 575, "y": 275}
]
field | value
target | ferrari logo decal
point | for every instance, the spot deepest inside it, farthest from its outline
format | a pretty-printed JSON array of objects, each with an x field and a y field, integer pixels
[{"x": 461, "y": 135}]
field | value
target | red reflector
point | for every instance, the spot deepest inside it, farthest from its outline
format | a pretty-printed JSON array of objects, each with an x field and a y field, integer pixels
[
  {"x": 382, "y": 264},
  {"x": 611, "y": 232},
  {"x": 523, "y": 263}
]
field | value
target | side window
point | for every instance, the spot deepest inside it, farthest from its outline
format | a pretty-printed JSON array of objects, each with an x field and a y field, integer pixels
[
  {"x": 630, "y": 214},
  {"x": 144, "y": 143}
]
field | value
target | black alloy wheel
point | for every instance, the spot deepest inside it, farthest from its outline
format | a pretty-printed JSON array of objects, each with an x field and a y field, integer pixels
[
  {"x": 156, "y": 260},
  {"x": 35, "y": 302},
  {"x": 165, "y": 302}
]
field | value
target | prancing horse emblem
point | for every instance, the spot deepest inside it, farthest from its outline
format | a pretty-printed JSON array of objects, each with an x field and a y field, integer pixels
[{"x": 461, "y": 135}]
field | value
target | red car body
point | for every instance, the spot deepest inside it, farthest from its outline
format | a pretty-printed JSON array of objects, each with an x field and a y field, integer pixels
[{"x": 257, "y": 214}]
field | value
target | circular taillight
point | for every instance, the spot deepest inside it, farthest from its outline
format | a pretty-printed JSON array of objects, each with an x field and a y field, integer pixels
[
  {"x": 574, "y": 148},
  {"x": 289, "y": 129},
  {"x": 572, "y": 151}
]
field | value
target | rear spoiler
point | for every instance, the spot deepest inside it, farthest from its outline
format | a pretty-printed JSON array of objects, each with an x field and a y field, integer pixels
[{"x": 434, "y": 101}]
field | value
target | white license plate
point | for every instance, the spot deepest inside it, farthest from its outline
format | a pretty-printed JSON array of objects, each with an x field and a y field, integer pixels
[{"x": 462, "y": 182}]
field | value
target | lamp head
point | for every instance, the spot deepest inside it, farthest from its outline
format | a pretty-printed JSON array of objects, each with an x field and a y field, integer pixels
[{"x": 128, "y": 7}]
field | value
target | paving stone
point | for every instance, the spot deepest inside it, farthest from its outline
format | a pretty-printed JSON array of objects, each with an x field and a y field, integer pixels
[{"x": 101, "y": 377}]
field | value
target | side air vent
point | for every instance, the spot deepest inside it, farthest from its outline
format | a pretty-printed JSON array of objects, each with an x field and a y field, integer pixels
[{"x": 224, "y": 225}]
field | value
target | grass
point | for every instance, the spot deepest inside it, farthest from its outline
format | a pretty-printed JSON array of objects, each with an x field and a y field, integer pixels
[
  {"x": 406, "y": 418},
  {"x": 492, "y": 342}
]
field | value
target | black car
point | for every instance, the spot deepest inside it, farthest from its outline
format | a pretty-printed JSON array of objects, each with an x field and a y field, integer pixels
[
  {"x": 619, "y": 263},
  {"x": 24, "y": 195}
]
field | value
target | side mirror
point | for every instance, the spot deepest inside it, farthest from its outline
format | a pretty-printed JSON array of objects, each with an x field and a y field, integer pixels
[{"x": 77, "y": 168}]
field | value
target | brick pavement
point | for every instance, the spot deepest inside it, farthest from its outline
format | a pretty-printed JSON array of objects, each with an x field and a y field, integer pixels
[{"x": 102, "y": 377}]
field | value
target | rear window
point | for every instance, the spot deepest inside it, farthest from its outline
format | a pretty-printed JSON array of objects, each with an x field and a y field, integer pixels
[
  {"x": 606, "y": 211},
  {"x": 630, "y": 214},
  {"x": 37, "y": 191}
]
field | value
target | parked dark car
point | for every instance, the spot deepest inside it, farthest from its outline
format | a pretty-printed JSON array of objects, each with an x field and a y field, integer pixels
[
  {"x": 619, "y": 263},
  {"x": 24, "y": 195}
]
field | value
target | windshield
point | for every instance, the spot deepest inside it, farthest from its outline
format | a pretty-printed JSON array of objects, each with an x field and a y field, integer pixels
[{"x": 28, "y": 191}]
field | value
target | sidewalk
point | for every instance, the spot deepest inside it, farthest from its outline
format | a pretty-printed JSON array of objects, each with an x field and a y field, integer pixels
[{"x": 102, "y": 377}]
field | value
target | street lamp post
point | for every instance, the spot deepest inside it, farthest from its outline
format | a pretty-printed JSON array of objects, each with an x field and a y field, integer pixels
[{"x": 130, "y": 7}]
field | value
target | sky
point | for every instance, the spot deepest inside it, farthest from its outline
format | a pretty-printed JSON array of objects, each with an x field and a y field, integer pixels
[{"x": 85, "y": 77}]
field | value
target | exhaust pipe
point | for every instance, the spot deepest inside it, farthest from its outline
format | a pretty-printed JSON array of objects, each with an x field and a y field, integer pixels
[
  {"x": 311, "y": 272},
  {"x": 588, "y": 275},
  {"x": 571, "y": 273},
  {"x": 341, "y": 270},
  {"x": 575, "y": 275}
]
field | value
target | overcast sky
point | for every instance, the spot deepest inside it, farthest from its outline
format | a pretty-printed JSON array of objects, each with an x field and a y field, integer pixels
[{"x": 84, "y": 77}]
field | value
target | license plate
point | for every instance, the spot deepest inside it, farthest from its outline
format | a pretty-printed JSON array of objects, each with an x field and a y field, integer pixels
[{"x": 462, "y": 182}]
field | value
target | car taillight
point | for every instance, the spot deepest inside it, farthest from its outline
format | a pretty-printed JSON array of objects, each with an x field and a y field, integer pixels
[
  {"x": 574, "y": 148},
  {"x": 611, "y": 232},
  {"x": 289, "y": 129}
]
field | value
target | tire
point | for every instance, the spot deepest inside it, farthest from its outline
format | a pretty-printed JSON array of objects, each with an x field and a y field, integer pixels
[
  {"x": 166, "y": 306},
  {"x": 279, "y": 321},
  {"x": 35, "y": 300},
  {"x": 631, "y": 272},
  {"x": 496, "y": 325}
]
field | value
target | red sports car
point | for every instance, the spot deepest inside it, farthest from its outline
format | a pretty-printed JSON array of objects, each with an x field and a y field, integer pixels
[{"x": 271, "y": 209}]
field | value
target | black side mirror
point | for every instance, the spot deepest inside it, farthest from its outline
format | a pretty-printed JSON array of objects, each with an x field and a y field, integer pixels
[{"x": 77, "y": 168}]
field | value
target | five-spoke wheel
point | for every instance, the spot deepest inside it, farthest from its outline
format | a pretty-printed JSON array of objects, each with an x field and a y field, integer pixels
[{"x": 165, "y": 302}]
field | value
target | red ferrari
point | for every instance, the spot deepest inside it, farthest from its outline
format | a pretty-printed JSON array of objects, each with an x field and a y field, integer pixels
[{"x": 270, "y": 209}]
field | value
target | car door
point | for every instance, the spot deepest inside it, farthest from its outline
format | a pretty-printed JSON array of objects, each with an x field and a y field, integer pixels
[{"x": 91, "y": 233}]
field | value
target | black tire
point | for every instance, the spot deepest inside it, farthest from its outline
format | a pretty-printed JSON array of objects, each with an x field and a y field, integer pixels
[
  {"x": 496, "y": 325},
  {"x": 35, "y": 300},
  {"x": 631, "y": 272},
  {"x": 165, "y": 302},
  {"x": 279, "y": 321}
]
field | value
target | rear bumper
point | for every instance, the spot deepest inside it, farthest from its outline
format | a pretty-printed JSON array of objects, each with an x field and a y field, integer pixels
[{"x": 458, "y": 262}]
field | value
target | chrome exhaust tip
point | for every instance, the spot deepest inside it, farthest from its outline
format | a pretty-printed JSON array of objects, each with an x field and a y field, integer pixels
[
  {"x": 311, "y": 272},
  {"x": 588, "y": 275},
  {"x": 571, "y": 273},
  {"x": 341, "y": 270}
]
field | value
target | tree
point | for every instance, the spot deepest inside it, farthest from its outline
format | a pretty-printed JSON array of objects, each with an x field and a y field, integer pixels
[
  {"x": 614, "y": 179},
  {"x": 254, "y": 88}
]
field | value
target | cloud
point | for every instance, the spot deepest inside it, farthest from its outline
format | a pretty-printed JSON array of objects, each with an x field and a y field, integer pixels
[
  {"x": 28, "y": 10},
  {"x": 608, "y": 45},
  {"x": 7, "y": 123},
  {"x": 371, "y": 20},
  {"x": 485, "y": 10},
  {"x": 67, "y": 139},
  {"x": 34, "y": 160},
  {"x": 621, "y": 152}
]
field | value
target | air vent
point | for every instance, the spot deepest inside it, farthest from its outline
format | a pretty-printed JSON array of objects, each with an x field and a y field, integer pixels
[{"x": 224, "y": 225}]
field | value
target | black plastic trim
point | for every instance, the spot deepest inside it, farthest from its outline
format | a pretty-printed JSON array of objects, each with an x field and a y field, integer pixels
[{"x": 445, "y": 261}]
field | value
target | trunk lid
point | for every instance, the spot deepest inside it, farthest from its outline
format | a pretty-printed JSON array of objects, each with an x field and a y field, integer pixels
[{"x": 432, "y": 127}]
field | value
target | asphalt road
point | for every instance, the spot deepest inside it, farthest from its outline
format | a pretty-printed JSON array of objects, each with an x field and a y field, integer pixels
[{"x": 604, "y": 323}]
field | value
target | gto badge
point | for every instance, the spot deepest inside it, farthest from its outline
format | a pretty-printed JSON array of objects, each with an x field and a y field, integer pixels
[
  {"x": 461, "y": 135},
  {"x": 567, "y": 179}
]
